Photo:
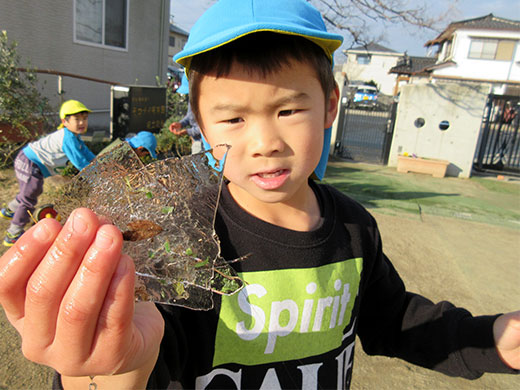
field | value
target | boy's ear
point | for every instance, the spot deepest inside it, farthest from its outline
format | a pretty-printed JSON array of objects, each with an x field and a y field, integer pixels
[
  {"x": 332, "y": 107},
  {"x": 64, "y": 121}
]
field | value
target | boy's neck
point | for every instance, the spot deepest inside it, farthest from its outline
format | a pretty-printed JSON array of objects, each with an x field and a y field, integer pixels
[{"x": 302, "y": 213}]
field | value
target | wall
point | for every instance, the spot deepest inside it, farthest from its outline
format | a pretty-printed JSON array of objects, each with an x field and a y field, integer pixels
[
  {"x": 462, "y": 104},
  {"x": 45, "y": 36},
  {"x": 479, "y": 68},
  {"x": 377, "y": 70}
]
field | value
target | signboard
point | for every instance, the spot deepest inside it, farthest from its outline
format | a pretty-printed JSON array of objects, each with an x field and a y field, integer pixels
[{"x": 136, "y": 109}]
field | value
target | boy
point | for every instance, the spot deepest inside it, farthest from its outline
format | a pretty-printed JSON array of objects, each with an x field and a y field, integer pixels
[
  {"x": 143, "y": 143},
  {"x": 188, "y": 124},
  {"x": 316, "y": 275},
  {"x": 43, "y": 158}
]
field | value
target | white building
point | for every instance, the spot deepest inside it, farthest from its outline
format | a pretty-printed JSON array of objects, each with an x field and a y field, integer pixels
[
  {"x": 485, "y": 49},
  {"x": 178, "y": 38},
  {"x": 372, "y": 62}
]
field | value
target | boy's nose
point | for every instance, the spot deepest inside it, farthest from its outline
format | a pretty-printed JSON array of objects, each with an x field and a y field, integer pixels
[{"x": 267, "y": 140}]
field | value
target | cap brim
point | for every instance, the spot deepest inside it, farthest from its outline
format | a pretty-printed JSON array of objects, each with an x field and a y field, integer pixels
[
  {"x": 327, "y": 41},
  {"x": 73, "y": 112}
]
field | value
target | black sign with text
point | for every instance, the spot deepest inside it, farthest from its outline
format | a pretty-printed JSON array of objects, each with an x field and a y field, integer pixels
[{"x": 139, "y": 109}]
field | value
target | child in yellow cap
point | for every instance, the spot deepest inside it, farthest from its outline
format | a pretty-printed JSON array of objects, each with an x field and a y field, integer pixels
[{"x": 43, "y": 158}]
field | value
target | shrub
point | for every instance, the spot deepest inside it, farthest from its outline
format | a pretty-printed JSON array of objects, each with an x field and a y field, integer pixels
[
  {"x": 21, "y": 103},
  {"x": 169, "y": 144}
]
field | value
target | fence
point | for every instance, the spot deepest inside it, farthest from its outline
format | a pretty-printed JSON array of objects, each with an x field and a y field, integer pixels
[
  {"x": 499, "y": 144},
  {"x": 365, "y": 136}
]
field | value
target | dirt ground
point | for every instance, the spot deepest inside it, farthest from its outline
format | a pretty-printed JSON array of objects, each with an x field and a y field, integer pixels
[{"x": 472, "y": 264}]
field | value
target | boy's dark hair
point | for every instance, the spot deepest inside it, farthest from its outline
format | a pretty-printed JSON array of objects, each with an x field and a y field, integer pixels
[{"x": 263, "y": 52}]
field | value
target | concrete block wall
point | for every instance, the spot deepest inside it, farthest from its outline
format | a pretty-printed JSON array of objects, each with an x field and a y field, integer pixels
[{"x": 460, "y": 104}]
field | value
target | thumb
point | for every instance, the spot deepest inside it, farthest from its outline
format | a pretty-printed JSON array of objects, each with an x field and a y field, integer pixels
[{"x": 506, "y": 332}]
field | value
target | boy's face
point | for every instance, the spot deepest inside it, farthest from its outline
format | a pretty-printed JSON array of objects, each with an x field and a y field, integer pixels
[
  {"x": 77, "y": 123},
  {"x": 141, "y": 151},
  {"x": 275, "y": 126}
]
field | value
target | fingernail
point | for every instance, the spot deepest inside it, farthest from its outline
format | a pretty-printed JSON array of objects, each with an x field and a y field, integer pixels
[
  {"x": 78, "y": 224},
  {"x": 121, "y": 267},
  {"x": 41, "y": 233},
  {"x": 103, "y": 241}
]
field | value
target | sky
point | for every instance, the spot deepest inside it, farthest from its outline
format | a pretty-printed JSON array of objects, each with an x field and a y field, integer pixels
[{"x": 397, "y": 38}]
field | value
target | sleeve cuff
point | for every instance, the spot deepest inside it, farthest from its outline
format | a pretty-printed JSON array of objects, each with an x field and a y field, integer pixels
[{"x": 479, "y": 352}]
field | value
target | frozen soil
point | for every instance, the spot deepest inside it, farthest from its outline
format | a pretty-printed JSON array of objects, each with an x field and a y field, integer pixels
[{"x": 475, "y": 265}]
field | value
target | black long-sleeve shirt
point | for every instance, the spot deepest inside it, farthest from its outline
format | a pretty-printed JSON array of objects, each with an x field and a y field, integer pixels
[{"x": 308, "y": 295}]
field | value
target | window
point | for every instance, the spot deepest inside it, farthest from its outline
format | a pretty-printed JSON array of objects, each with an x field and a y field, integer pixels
[
  {"x": 101, "y": 22},
  {"x": 492, "y": 49},
  {"x": 363, "y": 59},
  {"x": 505, "y": 50},
  {"x": 448, "y": 49},
  {"x": 172, "y": 41}
]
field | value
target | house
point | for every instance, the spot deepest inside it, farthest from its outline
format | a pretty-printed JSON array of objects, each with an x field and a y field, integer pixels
[
  {"x": 178, "y": 38},
  {"x": 410, "y": 69},
  {"x": 372, "y": 62},
  {"x": 482, "y": 49},
  {"x": 452, "y": 111},
  {"x": 85, "y": 47}
]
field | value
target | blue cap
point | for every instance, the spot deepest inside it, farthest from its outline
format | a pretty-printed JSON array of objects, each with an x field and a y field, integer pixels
[
  {"x": 229, "y": 20},
  {"x": 146, "y": 140},
  {"x": 185, "y": 87}
]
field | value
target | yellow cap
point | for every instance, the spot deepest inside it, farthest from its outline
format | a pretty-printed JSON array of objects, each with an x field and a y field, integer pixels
[{"x": 71, "y": 107}]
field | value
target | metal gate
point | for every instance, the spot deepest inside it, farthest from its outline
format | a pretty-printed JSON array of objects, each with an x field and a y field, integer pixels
[
  {"x": 365, "y": 136},
  {"x": 499, "y": 143}
]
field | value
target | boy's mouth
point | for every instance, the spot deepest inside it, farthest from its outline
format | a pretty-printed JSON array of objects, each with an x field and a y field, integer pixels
[
  {"x": 271, "y": 180},
  {"x": 269, "y": 175}
]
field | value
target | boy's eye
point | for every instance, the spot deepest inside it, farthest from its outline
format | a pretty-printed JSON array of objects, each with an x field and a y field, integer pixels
[
  {"x": 288, "y": 112},
  {"x": 234, "y": 120}
]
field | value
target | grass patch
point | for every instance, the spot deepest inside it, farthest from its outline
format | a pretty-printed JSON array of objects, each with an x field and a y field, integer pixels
[
  {"x": 501, "y": 187},
  {"x": 378, "y": 187}
]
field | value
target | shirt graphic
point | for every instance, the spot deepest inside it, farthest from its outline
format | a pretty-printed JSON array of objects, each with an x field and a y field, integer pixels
[{"x": 289, "y": 314}]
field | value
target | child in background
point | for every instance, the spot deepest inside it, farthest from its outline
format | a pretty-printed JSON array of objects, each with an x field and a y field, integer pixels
[
  {"x": 143, "y": 143},
  {"x": 188, "y": 125},
  {"x": 316, "y": 276},
  {"x": 46, "y": 157}
]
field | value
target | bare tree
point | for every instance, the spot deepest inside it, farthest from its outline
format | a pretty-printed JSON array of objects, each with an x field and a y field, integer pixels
[
  {"x": 362, "y": 22},
  {"x": 355, "y": 19}
]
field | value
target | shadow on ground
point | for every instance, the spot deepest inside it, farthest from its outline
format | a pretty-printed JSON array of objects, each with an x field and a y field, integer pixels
[
  {"x": 379, "y": 187},
  {"x": 344, "y": 179}
]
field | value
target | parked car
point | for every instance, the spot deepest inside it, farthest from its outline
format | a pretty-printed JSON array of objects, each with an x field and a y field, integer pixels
[
  {"x": 174, "y": 73},
  {"x": 174, "y": 77},
  {"x": 365, "y": 96}
]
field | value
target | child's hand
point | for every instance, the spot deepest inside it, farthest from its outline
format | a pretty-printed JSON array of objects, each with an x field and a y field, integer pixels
[
  {"x": 506, "y": 331},
  {"x": 70, "y": 294},
  {"x": 176, "y": 127}
]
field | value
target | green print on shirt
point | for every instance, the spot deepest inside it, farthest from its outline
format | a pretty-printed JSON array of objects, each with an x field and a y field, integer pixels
[{"x": 287, "y": 314}]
